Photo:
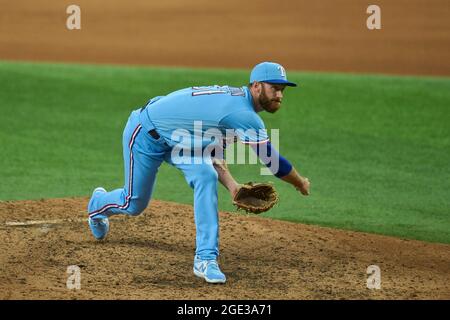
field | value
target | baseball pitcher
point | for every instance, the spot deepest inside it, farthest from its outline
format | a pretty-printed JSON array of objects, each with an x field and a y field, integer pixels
[{"x": 154, "y": 132}]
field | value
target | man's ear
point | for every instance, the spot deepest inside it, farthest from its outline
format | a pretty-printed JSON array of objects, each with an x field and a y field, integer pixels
[{"x": 257, "y": 86}]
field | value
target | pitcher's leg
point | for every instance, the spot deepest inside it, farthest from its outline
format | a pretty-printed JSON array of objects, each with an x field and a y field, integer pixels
[
  {"x": 206, "y": 214},
  {"x": 203, "y": 179},
  {"x": 141, "y": 163}
]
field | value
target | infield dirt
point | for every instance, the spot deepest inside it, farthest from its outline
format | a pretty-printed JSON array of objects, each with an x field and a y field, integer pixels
[
  {"x": 326, "y": 35},
  {"x": 151, "y": 256}
]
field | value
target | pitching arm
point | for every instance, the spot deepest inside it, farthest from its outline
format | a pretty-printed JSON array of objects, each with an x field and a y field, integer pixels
[
  {"x": 225, "y": 177},
  {"x": 281, "y": 167}
]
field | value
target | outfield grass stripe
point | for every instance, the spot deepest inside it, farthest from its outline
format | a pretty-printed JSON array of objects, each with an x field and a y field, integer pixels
[{"x": 376, "y": 148}]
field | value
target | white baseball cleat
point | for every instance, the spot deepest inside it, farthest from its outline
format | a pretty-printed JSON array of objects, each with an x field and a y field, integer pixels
[
  {"x": 98, "y": 224},
  {"x": 208, "y": 270}
]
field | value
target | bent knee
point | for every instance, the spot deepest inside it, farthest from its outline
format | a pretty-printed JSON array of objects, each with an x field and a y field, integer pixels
[{"x": 136, "y": 207}]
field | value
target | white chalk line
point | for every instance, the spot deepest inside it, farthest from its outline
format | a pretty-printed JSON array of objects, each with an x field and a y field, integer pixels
[{"x": 41, "y": 222}]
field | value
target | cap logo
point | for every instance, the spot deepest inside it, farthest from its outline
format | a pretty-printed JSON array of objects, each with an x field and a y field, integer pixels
[{"x": 282, "y": 71}]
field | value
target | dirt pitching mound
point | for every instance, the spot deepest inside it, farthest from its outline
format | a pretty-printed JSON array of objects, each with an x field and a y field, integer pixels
[{"x": 150, "y": 257}]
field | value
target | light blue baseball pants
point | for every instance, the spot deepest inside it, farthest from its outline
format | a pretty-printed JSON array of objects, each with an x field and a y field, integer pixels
[{"x": 142, "y": 156}]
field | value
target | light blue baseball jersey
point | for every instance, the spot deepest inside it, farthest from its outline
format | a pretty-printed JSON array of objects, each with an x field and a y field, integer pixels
[{"x": 203, "y": 109}]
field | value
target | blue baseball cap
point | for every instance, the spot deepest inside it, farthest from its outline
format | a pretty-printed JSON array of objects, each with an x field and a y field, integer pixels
[{"x": 270, "y": 72}]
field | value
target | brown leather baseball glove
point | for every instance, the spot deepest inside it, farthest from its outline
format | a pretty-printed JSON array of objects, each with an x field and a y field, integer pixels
[{"x": 256, "y": 197}]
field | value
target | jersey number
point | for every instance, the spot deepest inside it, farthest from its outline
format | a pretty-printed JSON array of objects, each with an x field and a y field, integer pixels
[{"x": 200, "y": 91}]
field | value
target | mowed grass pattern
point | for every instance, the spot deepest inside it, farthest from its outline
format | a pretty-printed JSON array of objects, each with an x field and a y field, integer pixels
[{"x": 376, "y": 148}]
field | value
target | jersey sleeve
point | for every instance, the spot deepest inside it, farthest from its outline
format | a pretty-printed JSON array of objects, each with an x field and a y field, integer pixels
[
  {"x": 248, "y": 126},
  {"x": 276, "y": 163}
]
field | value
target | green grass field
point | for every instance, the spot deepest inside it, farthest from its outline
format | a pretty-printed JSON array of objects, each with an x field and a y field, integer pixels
[{"x": 376, "y": 148}]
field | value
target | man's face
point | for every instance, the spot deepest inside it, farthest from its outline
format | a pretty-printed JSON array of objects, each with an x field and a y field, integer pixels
[{"x": 271, "y": 96}]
